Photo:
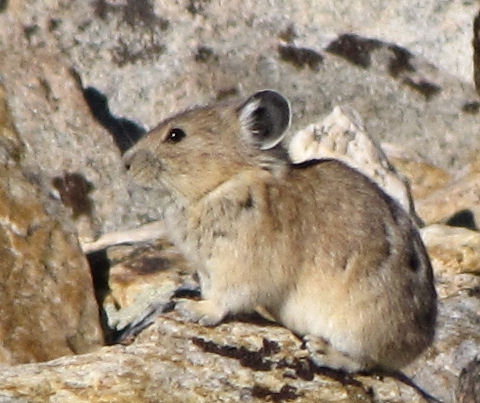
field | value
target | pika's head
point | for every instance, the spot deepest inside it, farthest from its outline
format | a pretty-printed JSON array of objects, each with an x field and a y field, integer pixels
[{"x": 190, "y": 154}]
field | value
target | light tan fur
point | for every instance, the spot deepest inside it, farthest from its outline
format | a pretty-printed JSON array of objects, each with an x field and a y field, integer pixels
[{"x": 318, "y": 245}]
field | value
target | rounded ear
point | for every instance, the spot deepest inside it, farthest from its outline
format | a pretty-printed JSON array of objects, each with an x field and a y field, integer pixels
[{"x": 265, "y": 117}]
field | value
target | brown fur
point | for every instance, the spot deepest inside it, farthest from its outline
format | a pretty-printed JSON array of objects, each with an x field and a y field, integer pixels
[{"x": 318, "y": 245}]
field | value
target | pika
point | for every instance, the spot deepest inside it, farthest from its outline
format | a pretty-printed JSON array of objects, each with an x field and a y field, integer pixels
[{"x": 317, "y": 245}]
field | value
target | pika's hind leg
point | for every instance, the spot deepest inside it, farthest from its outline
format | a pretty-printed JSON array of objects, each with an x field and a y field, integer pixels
[{"x": 324, "y": 355}]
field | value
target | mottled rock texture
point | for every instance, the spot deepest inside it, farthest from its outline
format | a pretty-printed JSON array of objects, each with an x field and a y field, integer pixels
[
  {"x": 341, "y": 136},
  {"x": 468, "y": 390},
  {"x": 47, "y": 302},
  {"x": 177, "y": 362}
]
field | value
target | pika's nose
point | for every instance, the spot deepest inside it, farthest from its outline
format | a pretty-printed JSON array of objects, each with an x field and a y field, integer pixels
[
  {"x": 138, "y": 159},
  {"x": 128, "y": 158}
]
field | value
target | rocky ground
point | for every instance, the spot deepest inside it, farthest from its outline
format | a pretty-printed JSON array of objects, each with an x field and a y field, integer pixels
[{"x": 72, "y": 73}]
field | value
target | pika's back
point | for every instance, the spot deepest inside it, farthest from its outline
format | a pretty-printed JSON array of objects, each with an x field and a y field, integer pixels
[
  {"x": 337, "y": 211},
  {"x": 349, "y": 245}
]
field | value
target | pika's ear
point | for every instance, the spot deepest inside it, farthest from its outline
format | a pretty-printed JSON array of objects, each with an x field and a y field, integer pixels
[{"x": 265, "y": 117}]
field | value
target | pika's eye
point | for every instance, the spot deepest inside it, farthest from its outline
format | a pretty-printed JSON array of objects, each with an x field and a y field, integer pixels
[{"x": 175, "y": 135}]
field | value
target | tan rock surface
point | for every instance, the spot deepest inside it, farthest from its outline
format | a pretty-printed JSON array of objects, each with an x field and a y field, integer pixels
[
  {"x": 458, "y": 195},
  {"x": 177, "y": 362},
  {"x": 454, "y": 250},
  {"x": 47, "y": 303},
  {"x": 65, "y": 147},
  {"x": 424, "y": 178},
  {"x": 141, "y": 276}
]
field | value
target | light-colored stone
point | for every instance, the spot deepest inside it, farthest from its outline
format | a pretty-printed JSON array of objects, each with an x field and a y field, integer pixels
[
  {"x": 455, "y": 257},
  {"x": 143, "y": 233},
  {"x": 341, "y": 136},
  {"x": 47, "y": 302},
  {"x": 141, "y": 277},
  {"x": 424, "y": 178},
  {"x": 175, "y": 361},
  {"x": 457, "y": 343},
  {"x": 445, "y": 40},
  {"x": 460, "y": 194},
  {"x": 456, "y": 249},
  {"x": 62, "y": 139}
]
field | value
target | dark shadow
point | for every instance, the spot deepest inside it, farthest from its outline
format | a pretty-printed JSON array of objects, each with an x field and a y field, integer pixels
[
  {"x": 187, "y": 292},
  {"x": 125, "y": 132},
  {"x": 100, "y": 269},
  {"x": 463, "y": 218},
  {"x": 3, "y": 5},
  {"x": 127, "y": 334}
]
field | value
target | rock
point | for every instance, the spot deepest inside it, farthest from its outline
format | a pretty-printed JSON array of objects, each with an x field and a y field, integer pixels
[
  {"x": 458, "y": 195},
  {"x": 424, "y": 178},
  {"x": 468, "y": 390},
  {"x": 445, "y": 40},
  {"x": 456, "y": 344},
  {"x": 142, "y": 277},
  {"x": 456, "y": 249},
  {"x": 48, "y": 307},
  {"x": 173, "y": 361},
  {"x": 410, "y": 101},
  {"x": 246, "y": 358},
  {"x": 455, "y": 254},
  {"x": 442, "y": 197},
  {"x": 341, "y": 136},
  {"x": 69, "y": 154}
]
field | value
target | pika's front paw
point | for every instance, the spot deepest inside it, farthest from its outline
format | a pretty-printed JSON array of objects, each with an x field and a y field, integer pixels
[
  {"x": 205, "y": 312},
  {"x": 324, "y": 355}
]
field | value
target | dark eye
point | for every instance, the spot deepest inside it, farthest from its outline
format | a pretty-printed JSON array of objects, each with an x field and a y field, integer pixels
[{"x": 175, "y": 135}]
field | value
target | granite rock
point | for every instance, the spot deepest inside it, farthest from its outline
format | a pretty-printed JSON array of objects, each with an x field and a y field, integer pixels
[
  {"x": 48, "y": 307},
  {"x": 69, "y": 154},
  {"x": 341, "y": 135},
  {"x": 460, "y": 194},
  {"x": 468, "y": 390},
  {"x": 424, "y": 178},
  {"x": 248, "y": 357},
  {"x": 456, "y": 249},
  {"x": 173, "y": 361}
]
